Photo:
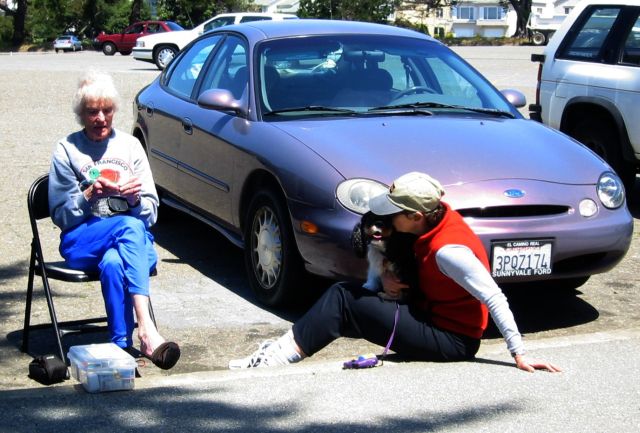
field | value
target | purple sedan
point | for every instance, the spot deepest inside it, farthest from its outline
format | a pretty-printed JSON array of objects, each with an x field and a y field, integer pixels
[{"x": 277, "y": 134}]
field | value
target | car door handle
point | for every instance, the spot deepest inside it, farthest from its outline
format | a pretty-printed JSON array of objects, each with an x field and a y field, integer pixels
[
  {"x": 149, "y": 111},
  {"x": 187, "y": 126}
]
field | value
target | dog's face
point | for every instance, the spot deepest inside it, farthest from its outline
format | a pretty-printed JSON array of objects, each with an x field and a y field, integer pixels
[{"x": 376, "y": 229}]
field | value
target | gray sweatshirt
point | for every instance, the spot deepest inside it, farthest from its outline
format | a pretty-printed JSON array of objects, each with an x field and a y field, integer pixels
[{"x": 77, "y": 161}]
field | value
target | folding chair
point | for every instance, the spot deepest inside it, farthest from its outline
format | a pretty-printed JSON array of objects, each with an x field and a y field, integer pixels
[{"x": 38, "y": 205}]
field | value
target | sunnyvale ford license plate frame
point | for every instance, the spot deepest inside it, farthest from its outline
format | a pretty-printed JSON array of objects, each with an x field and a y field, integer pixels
[{"x": 521, "y": 258}]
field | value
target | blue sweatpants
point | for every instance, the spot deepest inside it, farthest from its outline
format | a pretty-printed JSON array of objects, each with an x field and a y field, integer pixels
[{"x": 121, "y": 249}]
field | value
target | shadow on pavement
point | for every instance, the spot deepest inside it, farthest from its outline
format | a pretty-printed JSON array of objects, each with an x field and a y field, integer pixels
[
  {"x": 211, "y": 254},
  {"x": 536, "y": 309},
  {"x": 190, "y": 410}
]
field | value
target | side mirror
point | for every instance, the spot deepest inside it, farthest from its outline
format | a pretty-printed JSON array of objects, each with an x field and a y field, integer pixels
[
  {"x": 515, "y": 97},
  {"x": 222, "y": 100}
]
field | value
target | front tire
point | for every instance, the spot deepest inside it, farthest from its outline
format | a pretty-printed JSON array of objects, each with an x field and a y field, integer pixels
[
  {"x": 163, "y": 56},
  {"x": 109, "y": 49},
  {"x": 273, "y": 264},
  {"x": 601, "y": 136}
]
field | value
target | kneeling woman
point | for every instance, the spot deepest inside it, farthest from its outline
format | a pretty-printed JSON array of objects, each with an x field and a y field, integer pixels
[{"x": 103, "y": 198}]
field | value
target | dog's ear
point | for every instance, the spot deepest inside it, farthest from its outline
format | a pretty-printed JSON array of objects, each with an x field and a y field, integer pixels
[{"x": 358, "y": 240}]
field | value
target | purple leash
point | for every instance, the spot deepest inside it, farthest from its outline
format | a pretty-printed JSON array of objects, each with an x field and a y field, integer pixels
[{"x": 393, "y": 332}]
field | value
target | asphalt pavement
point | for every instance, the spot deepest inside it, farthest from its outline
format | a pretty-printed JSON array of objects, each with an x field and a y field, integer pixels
[{"x": 201, "y": 299}]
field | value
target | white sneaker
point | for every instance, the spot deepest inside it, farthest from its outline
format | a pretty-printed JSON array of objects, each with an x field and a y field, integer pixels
[{"x": 269, "y": 354}]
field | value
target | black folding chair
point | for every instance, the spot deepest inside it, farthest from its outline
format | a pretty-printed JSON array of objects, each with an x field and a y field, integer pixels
[{"x": 38, "y": 205}]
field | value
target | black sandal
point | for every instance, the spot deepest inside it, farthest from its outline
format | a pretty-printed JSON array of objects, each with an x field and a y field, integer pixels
[{"x": 166, "y": 355}]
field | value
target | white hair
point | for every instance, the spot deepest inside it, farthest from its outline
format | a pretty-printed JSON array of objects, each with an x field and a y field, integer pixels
[{"x": 95, "y": 86}]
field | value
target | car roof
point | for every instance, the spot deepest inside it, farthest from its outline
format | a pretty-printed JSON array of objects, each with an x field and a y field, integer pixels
[{"x": 306, "y": 27}]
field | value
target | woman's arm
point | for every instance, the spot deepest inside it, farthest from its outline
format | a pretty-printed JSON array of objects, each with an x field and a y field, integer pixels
[{"x": 460, "y": 264}]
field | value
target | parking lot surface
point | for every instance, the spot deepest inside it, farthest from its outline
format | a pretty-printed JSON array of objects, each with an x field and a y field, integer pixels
[{"x": 200, "y": 297}]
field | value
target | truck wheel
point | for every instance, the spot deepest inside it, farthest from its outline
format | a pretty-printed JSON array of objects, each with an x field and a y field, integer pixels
[
  {"x": 538, "y": 38},
  {"x": 163, "y": 55},
  {"x": 602, "y": 137},
  {"x": 109, "y": 49}
]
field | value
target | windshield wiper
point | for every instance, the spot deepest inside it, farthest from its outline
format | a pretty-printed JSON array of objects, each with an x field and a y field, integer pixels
[
  {"x": 417, "y": 105},
  {"x": 332, "y": 110}
]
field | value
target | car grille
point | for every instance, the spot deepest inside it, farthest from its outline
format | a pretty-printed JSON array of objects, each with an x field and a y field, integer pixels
[{"x": 513, "y": 211}]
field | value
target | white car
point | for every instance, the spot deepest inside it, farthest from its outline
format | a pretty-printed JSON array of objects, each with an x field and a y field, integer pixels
[
  {"x": 589, "y": 82},
  {"x": 162, "y": 48}
]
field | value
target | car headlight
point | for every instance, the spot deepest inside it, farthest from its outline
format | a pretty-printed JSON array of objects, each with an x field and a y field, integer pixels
[
  {"x": 610, "y": 190},
  {"x": 139, "y": 44},
  {"x": 354, "y": 194}
]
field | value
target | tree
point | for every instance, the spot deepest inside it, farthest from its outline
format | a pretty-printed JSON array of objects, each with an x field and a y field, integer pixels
[
  {"x": 523, "y": 10},
  {"x": 376, "y": 11},
  {"x": 19, "y": 15},
  {"x": 190, "y": 13}
]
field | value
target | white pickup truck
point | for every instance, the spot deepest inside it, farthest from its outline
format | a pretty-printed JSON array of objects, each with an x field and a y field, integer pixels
[
  {"x": 161, "y": 48},
  {"x": 546, "y": 17}
]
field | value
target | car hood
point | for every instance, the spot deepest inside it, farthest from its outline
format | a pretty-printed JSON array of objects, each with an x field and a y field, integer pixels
[{"x": 455, "y": 150}]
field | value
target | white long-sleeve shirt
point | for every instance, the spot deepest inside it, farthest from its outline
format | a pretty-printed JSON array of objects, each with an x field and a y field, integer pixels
[{"x": 460, "y": 264}]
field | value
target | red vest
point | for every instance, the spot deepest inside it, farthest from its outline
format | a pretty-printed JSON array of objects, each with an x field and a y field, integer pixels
[{"x": 450, "y": 306}]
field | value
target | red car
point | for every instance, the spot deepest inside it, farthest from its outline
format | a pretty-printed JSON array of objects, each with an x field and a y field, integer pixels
[{"x": 125, "y": 41}]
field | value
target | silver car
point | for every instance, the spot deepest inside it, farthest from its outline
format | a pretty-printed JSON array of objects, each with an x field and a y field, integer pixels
[
  {"x": 67, "y": 43},
  {"x": 277, "y": 134}
]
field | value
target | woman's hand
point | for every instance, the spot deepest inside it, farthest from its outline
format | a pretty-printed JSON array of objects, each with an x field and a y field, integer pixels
[
  {"x": 131, "y": 191},
  {"x": 101, "y": 187},
  {"x": 531, "y": 365},
  {"x": 392, "y": 286}
]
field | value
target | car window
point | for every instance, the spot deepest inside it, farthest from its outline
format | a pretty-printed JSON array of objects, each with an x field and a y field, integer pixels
[
  {"x": 360, "y": 72},
  {"x": 631, "y": 52},
  {"x": 588, "y": 41},
  {"x": 219, "y": 22},
  {"x": 154, "y": 28},
  {"x": 173, "y": 26},
  {"x": 247, "y": 19},
  {"x": 228, "y": 69},
  {"x": 184, "y": 71},
  {"x": 137, "y": 28}
]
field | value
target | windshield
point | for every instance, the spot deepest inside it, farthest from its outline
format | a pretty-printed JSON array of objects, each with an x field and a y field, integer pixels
[
  {"x": 173, "y": 26},
  {"x": 363, "y": 72}
]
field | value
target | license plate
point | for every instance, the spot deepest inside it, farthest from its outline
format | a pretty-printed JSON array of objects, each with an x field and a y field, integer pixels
[{"x": 521, "y": 258}]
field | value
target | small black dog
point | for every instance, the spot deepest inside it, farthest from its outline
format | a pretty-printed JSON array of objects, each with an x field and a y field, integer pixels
[{"x": 387, "y": 251}]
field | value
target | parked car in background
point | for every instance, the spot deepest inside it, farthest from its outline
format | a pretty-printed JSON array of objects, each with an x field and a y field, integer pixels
[
  {"x": 277, "y": 134},
  {"x": 125, "y": 41},
  {"x": 67, "y": 43},
  {"x": 161, "y": 49},
  {"x": 589, "y": 82}
]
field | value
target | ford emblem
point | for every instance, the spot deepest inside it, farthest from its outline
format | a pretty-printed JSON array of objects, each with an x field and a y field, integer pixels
[{"x": 514, "y": 193}]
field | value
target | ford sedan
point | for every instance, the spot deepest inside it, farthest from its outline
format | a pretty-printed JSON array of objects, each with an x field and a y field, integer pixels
[{"x": 277, "y": 133}]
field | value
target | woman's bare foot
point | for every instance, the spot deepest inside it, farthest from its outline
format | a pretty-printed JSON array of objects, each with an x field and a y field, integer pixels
[{"x": 149, "y": 341}]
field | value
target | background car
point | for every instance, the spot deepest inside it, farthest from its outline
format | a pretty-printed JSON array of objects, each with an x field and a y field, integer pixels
[
  {"x": 67, "y": 43},
  {"x": 589, "y": 82},
  {"x": 125, "y": 41},
  {"x": 277, "y": 134},
  {"x": 161, "y": 49}
]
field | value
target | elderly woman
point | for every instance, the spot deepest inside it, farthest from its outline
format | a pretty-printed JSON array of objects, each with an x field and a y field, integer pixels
[{"x": 103, "y": 198}]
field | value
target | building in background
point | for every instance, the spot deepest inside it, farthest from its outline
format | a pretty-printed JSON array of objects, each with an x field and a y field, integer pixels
[
  {"x": 468, "y": 18},
  {"x": 278, "y": 6}
]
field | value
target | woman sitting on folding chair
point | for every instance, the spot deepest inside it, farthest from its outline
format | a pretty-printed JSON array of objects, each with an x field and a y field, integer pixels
[{"x": 103, "y": 198}]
